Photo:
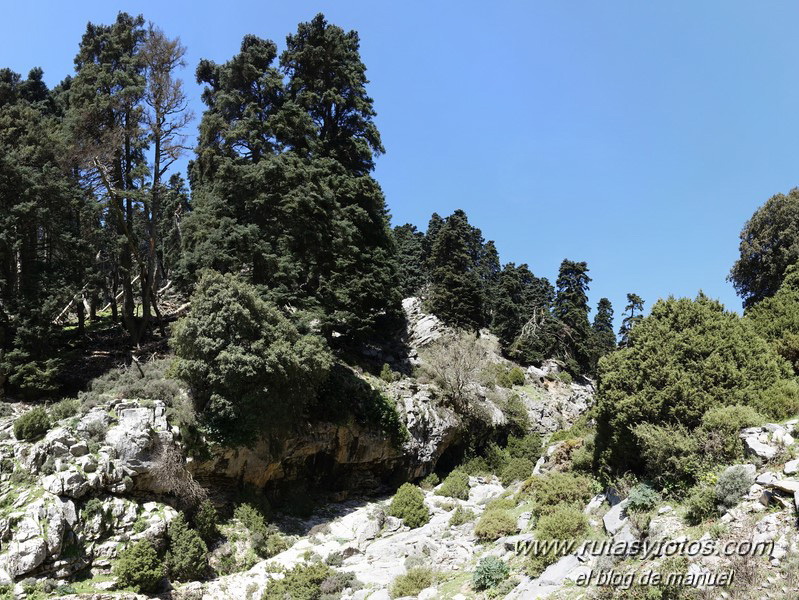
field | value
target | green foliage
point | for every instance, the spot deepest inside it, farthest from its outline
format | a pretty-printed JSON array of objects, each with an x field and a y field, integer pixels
[
  {"x": 700, "y": 503},
  {"x": 571, "y": 308},
  {"x": 494, "y": 524},
  {"x": 780, "y": 401},
  {"x": 563, "y": 522},
  {"x": 517, "y": 469},
  {"x": 769, "y": 245},
  {"x": 411, "y": 268},
  {"x": 247, "y": 365},
  {"x": 527, "y": 447},
  {"x": 64, "y": 409},
  {"x": 633, "y": 313},
  {"x": 456, "y": 485},
  {"x": 303, "y": 582},
  {"x": 517, "y": 416},
  {"x": 408, "y": 505},
  {"x": 139, "y": 568},
  {"x": 510, "y": 377},
  {"x": 604, "y": 337},
  {"x": 187, "y": 557},
  {"x": 686, "y": 357},
  {"x": 489, "y": 573},
  {"x": 387, "y": 375},
  {"x": 266, "y": 540},
  {"x": 32, "y": 424},
  {"x": 555, "y": 488},
  {"x": 732, "y": 484},
  {"x": 671, "y": 454},
  {"x": 461, "y": 516},
  {"x": 721, "y": 427},
  {"x": 153, "y": 382},
  {"x": 413, "y": 582},
  {"x": 429, "y": 482},
  {"x": 642, "y": 498},
  {"x": 206, "y": 521},
  {"x": 777, "y": 318}
]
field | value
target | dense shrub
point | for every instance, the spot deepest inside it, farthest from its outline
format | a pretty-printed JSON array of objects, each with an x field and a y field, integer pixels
[
  {"x": 266, "y": 540},
  {"x": 303, "y": 582},
  {"x": 494, "y": 524},
  {"x": 780, "y": 401},
  {"x": 508, "y": 377},
  {"x": 460, "y": 516},
  {"x": 686, "y": 357},
  {"x": 528, "y": 447},
  {"x": 139, "y": 568},
  {"x": 412, "y": 582},
  {"x": 564, "y": 522},
  {"x": 517, "y": 415},
  {"x": 32, "y": 424},
  {"x": 700, "y": 504},
  {"x": 642, "y": 498},
  {"x": 555, "y": 488},
  {"x": 64, "y": 409},
  {"x": 732, "y": 484},
  {"x": 490, "y": 572},
  {"x": 777, "y": 318},
  {"x": 387, "y": 375},
  {"x": 206, "y": 521},
  {"x": 456, "y": 485},
  {"x": 671, "y": 454},
  {"x": 187, "y": 558},
  {"x": 517, "y": 469},
  {"x": 408, "y": 505},
  {"x": 721, "y": 427},
  {"x": 454, "y": 364},
  {"x": 429, "y": 482},
  {"x": 151, "y": 380},
  {"x": 247, "y": 365}
]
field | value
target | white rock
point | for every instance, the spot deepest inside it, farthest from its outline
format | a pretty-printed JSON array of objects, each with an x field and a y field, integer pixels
[
  {"x": 791, "y": 467},
  {"x": 615, "y": 518}
]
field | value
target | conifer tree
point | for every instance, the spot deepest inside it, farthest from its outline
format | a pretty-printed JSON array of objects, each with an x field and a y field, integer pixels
[
  {"x": 605, "y": 338},
  {"x": 411, "y": 268},
  {"x": 633, "y": 313},
  {"x": 571, "y": 309}
]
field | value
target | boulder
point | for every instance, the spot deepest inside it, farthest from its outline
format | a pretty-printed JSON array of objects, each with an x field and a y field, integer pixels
[
  {"x": 753, "y": 445},
  {"x": 791, "y": 467},
  {"x": 615, "y": 518}
]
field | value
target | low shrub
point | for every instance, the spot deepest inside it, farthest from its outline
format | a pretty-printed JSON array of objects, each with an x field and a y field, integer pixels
[
  {"x": 509, "y": 377},
  {"x": 494, "y": 524},
  {"x": 489, "y": 573},
  {"x": 408, "y": 505},
  {"x": 721, "y": 427},
  {"x": 556, "y": 488},
  {"x": 528, "y": 447},
  {"x": 780, "y": 401},
  {"x": 139, "y": 568},
  {"x": 517, "y": 415},
  {"x": 700, "y": 504},
  {"x": 642, "y": 498},
  {"x": 517, "y": 469},
  {"x": 387, "y": 375},
  {"x": 266, "y": 540},
  {"x": 671, "y": 454},
  {"x": 429, "y": 482},
  {"x": 461, "y": 516},
  {"x": 31, "y": 425},
  {"x": 732, "y": 484},
  {"x": 187, "y": 557},
  {"x": 456, "y": 485},
  {"x": 64, "y": 409},
  {"x": 412, "y": 582},
  {"x": 206, "y": 520},
  {"x": 564, "y": 522},
  {"x": 303, "y": 582}
]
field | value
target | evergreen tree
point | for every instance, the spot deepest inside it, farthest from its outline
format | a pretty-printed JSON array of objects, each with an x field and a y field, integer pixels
[
  {"x": 488, "y": 270},
  {"x": 411, "y": 269},
  {"x": 604, "y": 337},
  {"x": 571, "y": 309},
  {"x": 456, "y": 295},
  {"x": 633, "y": 313}
]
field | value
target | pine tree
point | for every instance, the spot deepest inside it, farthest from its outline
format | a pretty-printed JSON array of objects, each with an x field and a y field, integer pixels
[
  {"x": 411, "y": 268},
  {"x": 633, "y": 313},
  {"x": 605, "y": 339},
  {"x": 456, "y": 294},
  {"x": 571, "y": 309}
]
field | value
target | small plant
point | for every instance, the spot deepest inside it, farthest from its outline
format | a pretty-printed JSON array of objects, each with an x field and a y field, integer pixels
[
  {"x": 31, "y": 425},
  {"x": 494, "y": 524},
  {"x": 303, "y": 582},
  {"x": 565, "y": 522},
  {"x": 408, "y": 505},
  {"x": 510, "y": 377},
  {"x": 387, "y": 375},
  {"x": 334, "y": 559},
  {"x": 206, "y": 521},
  {"x": 64, "y": 409},
  {"x": 412, "y": 582},
  {"x": 555, "y": 488},
  {"x": 517, "y": 469},
  {"x": 139, "y": 568},
  {"x": 528, "y": 447},
  {"x": 429, "y": 482},
  {"x": 456, "y": 485},
  {"x": 642, "y": 498},
  {"x": 266, "y": 540},
  {"x": 461, "y": 516},
  {"x": 701, "y": 504},
  {"x": 733, "y": 483},
  {"x": 187, "y": 558},
  {"x": 489, "y": 573}
]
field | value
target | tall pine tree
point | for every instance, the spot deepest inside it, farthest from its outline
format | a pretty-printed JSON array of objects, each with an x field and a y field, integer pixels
[{"x": 571, "y": 309}]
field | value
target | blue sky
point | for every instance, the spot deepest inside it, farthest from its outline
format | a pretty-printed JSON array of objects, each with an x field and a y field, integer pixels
[{"x": 638, "y": 136}]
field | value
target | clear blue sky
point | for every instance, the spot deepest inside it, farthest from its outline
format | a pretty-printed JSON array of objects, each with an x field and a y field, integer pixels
[{"x": 638, "y": 136}]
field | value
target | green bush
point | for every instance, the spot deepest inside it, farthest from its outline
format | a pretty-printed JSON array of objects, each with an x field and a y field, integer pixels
[
  {"x": 528, "y": 447},
  {"x": 555, "y": 488},
  {"x": 564, "y": 522},
  {"x": 517, "y": 469},
  {"x": 387, "y": 375},
  {"x": 187, "y": 557},
  {"x": 510, "y": 377},
  {"x": 412, "y": 582},
  {"x": 642, "y": 498},
  {"x": 139, "y": 568},
  {"x": 700, "y": 504},
  {"x": 247, "y": 365},
  {"x": 721, "y": 427},
  {"x": 429, "y": 482},
  {"x": 780, "y": 401},
  {"x": 517, "y": 415},
  {"x": 671, "y": 454},
  {"x": 206, "y": 521},
  {"x": 64, "y": 409},
  {"x": 494, "y": 524},
  {"x": 490, "y": 572},
  {"x": 303, "y": 582},
  {"x": 732, "y": 484},
  {"x": 456, "y": 485},
  {"x": 31, "y": 425},
  {"x": 408, "y": 505},
  {"x": 266, "y": 540},
  {"x": 460, "y": 516},
  {"x": 686, "y": 357}
]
